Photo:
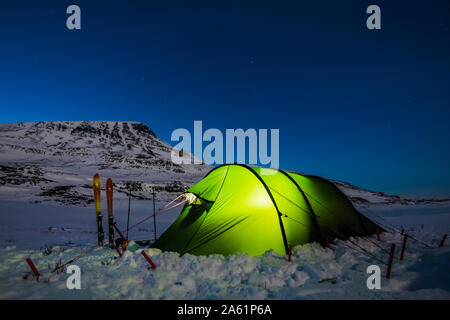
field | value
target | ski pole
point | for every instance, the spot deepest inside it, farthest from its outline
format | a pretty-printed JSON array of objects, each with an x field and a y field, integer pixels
[
  {"x": 403, "y": 246},
  {"x": 154, "y": 215},
  {"x": 129, "y": 204}
]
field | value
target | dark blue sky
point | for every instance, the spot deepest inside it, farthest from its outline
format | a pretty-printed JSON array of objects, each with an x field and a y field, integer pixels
[{"x": 368, "y": 107}]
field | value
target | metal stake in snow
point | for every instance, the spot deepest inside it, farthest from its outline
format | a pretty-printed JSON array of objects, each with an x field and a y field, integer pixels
[
  {"x": 391, "y": 258},
  {"x": 403, "y": 246},
  {"x": 443, "y": 240},
  {"x": 129, "y": 204},
  {"x": 98, "y": 209},
  {"x": 148, "y": 259},
  {"x": 33, "y": 268},
  {"x": 154, "y": 215}
]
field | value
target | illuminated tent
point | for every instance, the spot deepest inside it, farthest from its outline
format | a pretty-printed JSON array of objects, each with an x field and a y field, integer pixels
[{"x": 237, "y": 208}]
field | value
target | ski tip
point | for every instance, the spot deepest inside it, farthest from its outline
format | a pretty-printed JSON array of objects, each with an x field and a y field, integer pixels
[
  {"x": 96, "y": 180},
  {"x": 109, "y": 185}
]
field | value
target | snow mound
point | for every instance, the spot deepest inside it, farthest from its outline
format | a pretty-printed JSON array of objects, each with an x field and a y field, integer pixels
[{"x": 313, "y": 273}]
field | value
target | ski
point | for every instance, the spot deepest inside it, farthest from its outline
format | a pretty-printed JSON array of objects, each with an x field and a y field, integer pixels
[
  {"x": 98, "y": 209},
  {"x": 109, "y": 198}
]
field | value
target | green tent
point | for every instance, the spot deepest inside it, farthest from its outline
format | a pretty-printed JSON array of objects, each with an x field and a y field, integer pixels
[{"x": 237, "y": 208}]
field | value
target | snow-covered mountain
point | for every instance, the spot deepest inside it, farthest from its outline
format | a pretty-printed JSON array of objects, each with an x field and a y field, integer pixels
[
  {"x": 55, "y": 161},
  {"x": 364, "y": 198}
]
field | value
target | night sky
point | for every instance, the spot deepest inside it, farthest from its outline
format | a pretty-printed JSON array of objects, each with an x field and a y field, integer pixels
[{"x": 368, "y": 107}]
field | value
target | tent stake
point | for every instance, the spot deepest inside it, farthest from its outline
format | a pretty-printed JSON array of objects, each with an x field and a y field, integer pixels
[
  {"x": 391, "y": 257},
  {"x": 290, "y": 252},
  {"x": 33, "y": 268},
  {"x": 148, "y": 259},
  {"x": 403, "y": 246},
  {"x": 443, "y": 240}
]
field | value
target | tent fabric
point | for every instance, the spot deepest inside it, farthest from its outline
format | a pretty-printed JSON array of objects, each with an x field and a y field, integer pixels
[{"x": 246, "y": 209}]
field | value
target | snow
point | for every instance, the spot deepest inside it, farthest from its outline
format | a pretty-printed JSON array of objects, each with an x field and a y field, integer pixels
[
  {"x": 34, "y": 225},
  {"x": 313, "y": 273},
  {"x": 39, "y": 157}
]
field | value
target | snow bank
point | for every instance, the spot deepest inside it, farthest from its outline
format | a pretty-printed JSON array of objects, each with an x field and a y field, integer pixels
[{"x": 313, "y": 273}]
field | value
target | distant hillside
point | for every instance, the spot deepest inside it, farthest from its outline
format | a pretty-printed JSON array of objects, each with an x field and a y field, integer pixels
[{"x": 55, "y": 161}]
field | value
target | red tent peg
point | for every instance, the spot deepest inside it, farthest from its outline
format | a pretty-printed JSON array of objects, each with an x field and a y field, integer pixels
[
  {"x": 391, "y": 258},
  {"x": 328, "y": 242},
  {"x": 118, "y": 251},
  {"x": 33, "y": 268},
  {"x": 148, "y": 259},
  {"x": 442, "y": 241},
  {"x": 378, "y": 234},
  {"x": 290, "y": 252},
  {"x": 403, "y": 246}
]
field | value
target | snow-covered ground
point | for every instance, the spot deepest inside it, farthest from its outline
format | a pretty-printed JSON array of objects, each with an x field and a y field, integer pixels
[
  {"x": 313, "y": 273},
  {"x": 35, "y": 225}
]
